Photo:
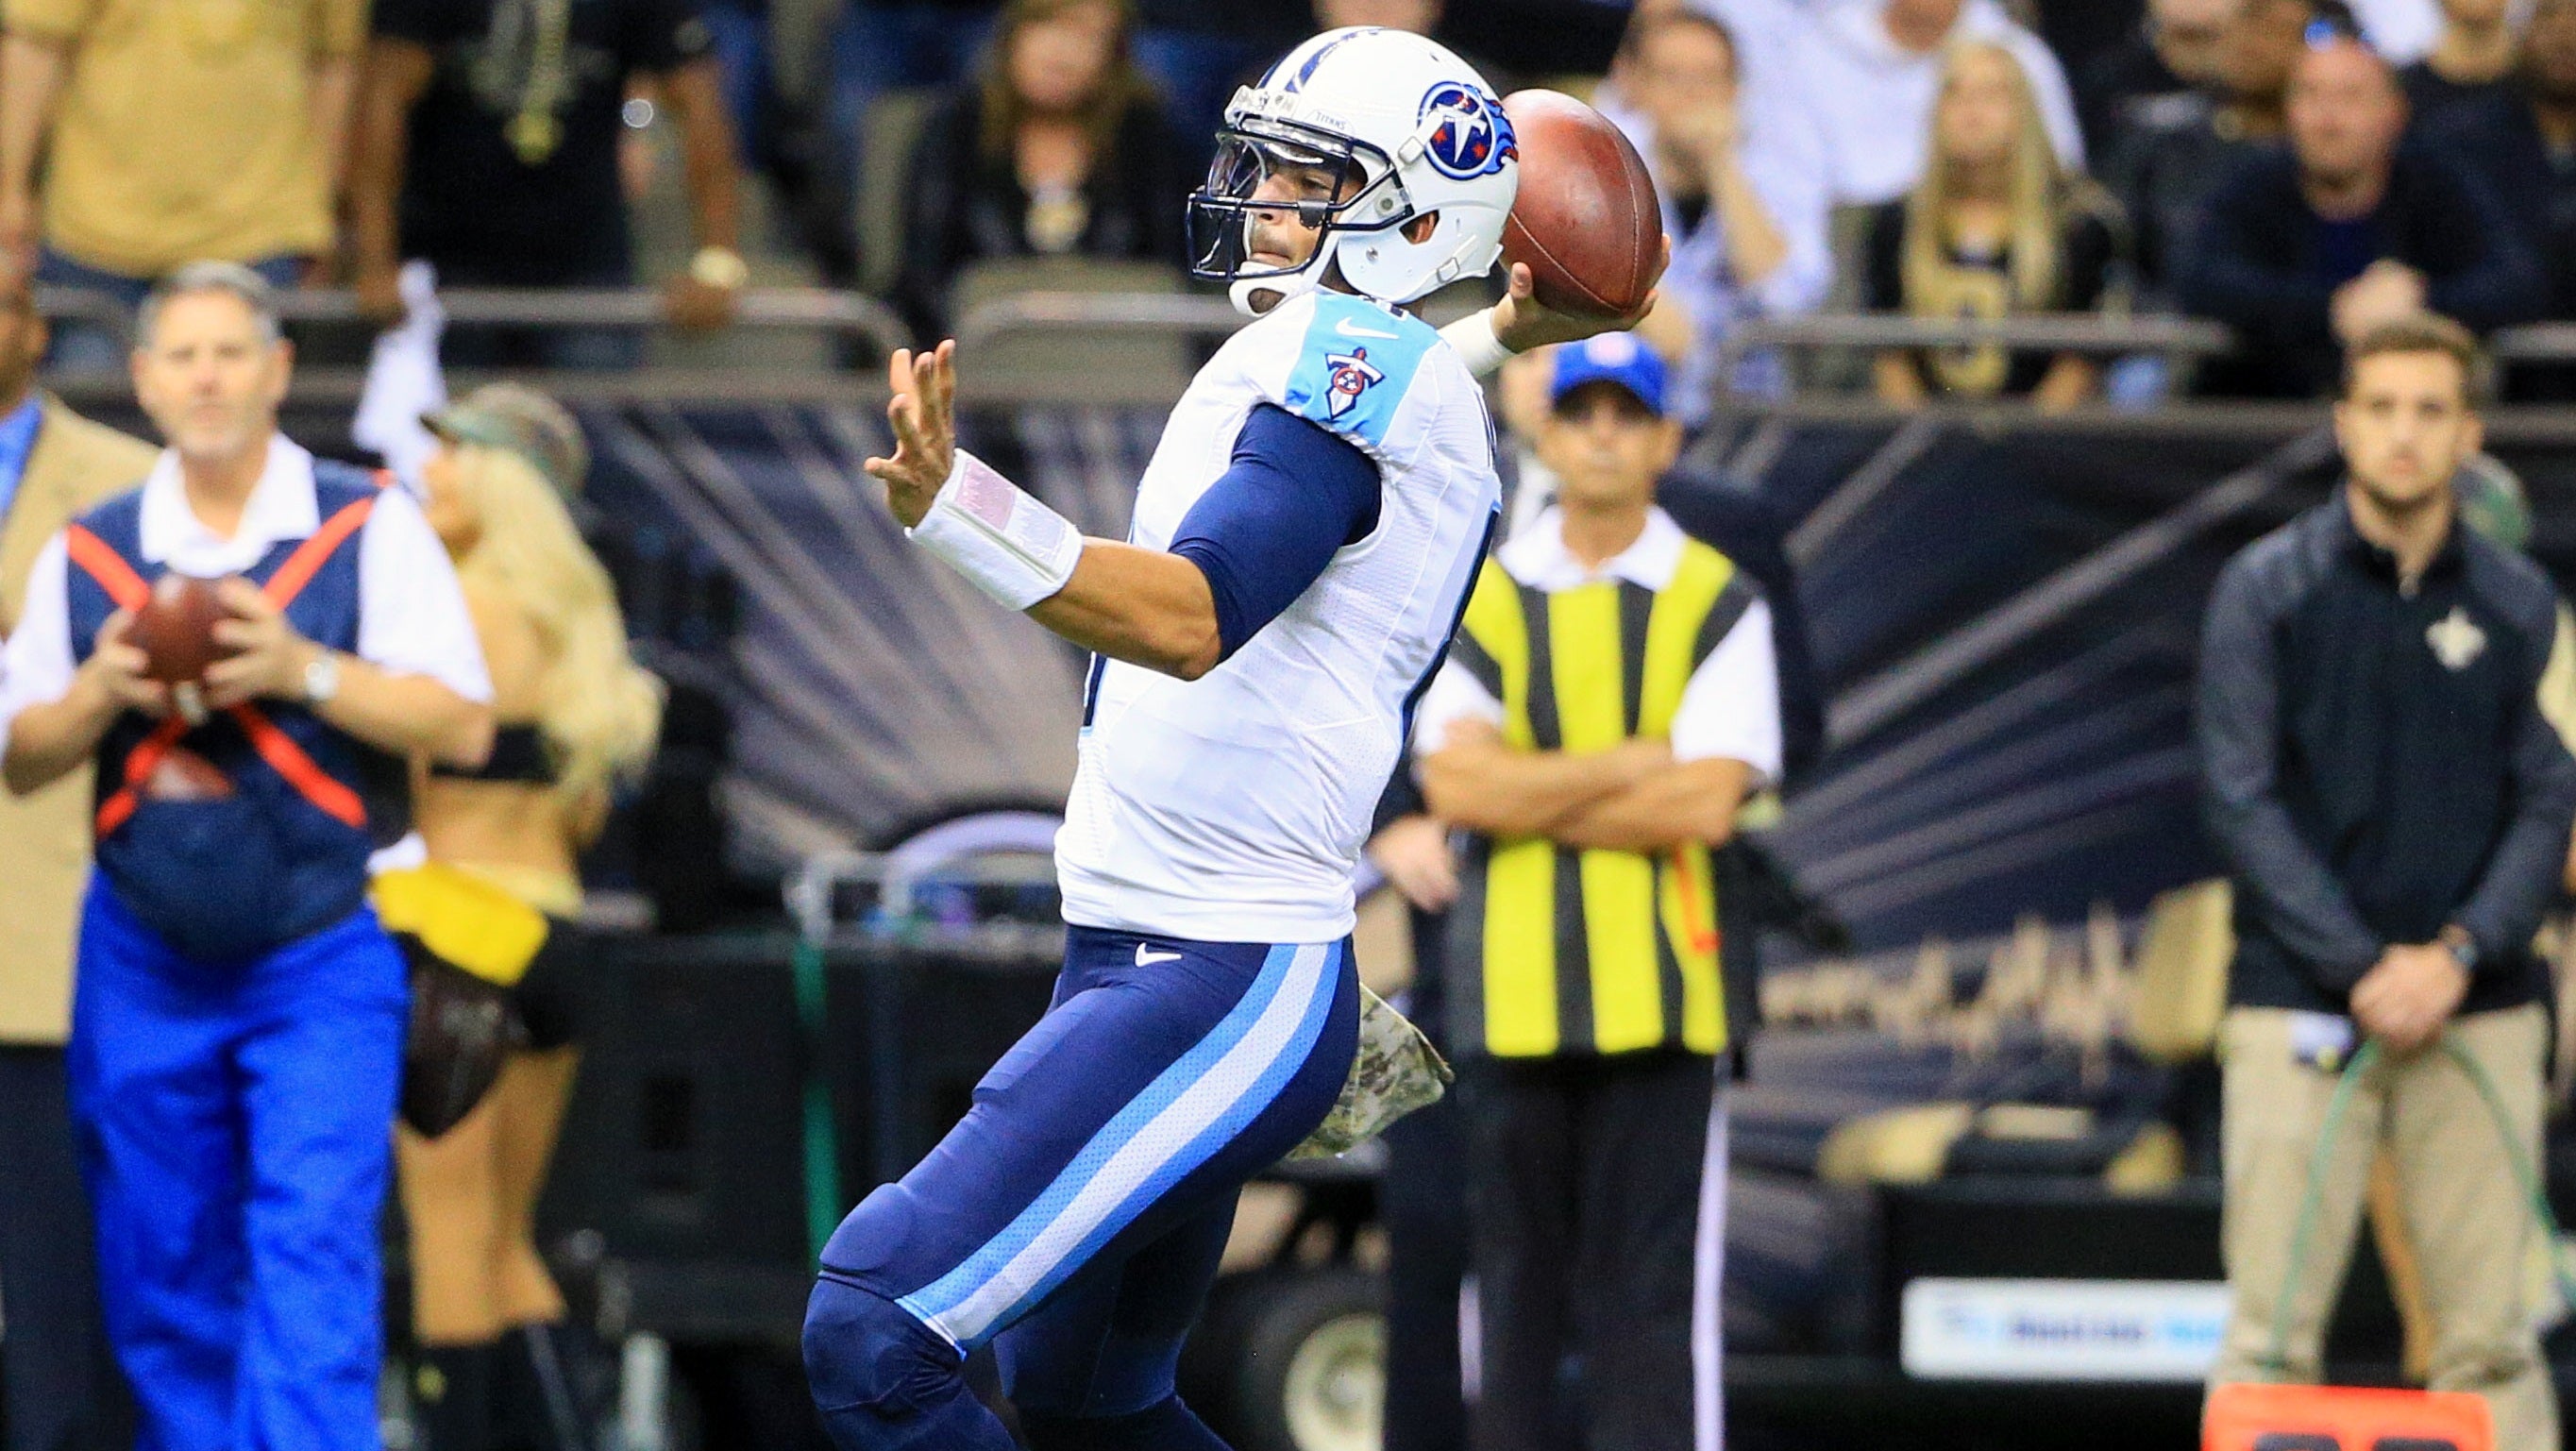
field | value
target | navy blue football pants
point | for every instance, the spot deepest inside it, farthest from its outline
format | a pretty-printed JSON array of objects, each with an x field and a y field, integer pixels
[
  {"x": 236, "y": 1133},
  {"x": 1075, "y": 1218}
]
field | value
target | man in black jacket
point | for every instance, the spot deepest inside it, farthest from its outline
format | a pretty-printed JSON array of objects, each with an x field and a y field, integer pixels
[
  {"x": 2302, "y": 252},
  {"x": 2395, "y": 811}
]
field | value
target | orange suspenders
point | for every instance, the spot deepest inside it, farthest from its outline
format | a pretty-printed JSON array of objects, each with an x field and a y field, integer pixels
[{"x": 276, "y": 747}]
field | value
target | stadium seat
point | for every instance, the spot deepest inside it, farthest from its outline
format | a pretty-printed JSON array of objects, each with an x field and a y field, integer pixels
[
  {"x": 2182, "y": 958},
  {"x": 1138, "y": 361}
]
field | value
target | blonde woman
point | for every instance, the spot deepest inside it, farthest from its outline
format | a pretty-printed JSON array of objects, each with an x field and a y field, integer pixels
[
  {"x": 577, "y": 714},
  {"x": 1993, "y": 230}
]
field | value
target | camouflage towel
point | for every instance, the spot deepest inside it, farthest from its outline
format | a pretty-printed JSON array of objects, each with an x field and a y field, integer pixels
[{"x": 1395, "y": 1071}]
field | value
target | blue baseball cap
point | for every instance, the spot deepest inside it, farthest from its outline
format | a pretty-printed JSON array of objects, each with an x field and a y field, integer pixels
[{"x": 1610, "y": 358}]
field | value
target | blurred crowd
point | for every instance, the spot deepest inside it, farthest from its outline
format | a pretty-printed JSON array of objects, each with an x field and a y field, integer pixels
[{"x": 2295, "y": 169}]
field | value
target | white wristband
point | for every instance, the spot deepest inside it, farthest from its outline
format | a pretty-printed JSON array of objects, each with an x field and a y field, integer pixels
[
  {"x": 1478, "y": 347},
  {"x": 1006, "y": 542}
]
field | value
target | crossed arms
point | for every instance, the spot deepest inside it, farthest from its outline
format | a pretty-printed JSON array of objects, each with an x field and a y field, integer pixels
[{"x": 1632, "y": 797}]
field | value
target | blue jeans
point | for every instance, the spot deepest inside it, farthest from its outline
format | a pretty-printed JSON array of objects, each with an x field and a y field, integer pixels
[
  {"x": 235, "y": 1127},
  {"x": 1075, "y": 1218},
  {"x": 87, "y": 347}
]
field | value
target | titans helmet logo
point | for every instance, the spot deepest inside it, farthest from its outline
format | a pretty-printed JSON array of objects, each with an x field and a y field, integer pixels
[{"x": 1465, "y": 134}]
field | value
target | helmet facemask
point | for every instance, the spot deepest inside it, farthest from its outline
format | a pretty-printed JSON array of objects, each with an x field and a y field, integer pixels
[{"x": 1312, "y": 178}]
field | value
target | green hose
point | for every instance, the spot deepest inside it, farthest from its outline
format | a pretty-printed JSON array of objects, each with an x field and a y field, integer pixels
[
  {"x": 822, "y": 1138},
  {"x": 2527, "y": 1176}
]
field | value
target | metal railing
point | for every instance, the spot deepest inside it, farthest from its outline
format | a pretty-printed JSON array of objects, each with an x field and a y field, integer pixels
[
  {"x": 1169, "y": 313},
  {"x": 1039, "y": 315},
  {"x": 2543, "y": 342},
  {"x": 2094, "y": 334},
  {"x": 803, "y": 309}
]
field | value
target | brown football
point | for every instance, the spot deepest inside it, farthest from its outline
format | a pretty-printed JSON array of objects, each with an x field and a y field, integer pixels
[
  {"x": 175, "y": 629},
  {"x": 1585, "y": 219}
]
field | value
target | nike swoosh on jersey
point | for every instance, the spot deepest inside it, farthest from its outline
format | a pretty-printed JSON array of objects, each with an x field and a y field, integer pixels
[
  {"x": 1147, "y": 957},
  {"x": 1343, "y": 326}
]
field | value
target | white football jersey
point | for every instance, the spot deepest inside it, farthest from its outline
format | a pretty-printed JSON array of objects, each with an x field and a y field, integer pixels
[{"x": 1232, "y": 808}]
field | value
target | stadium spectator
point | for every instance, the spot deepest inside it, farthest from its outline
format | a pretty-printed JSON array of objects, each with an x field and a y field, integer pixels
[
  {"x": 169, "y": 133},
  {"x": 1748, "y": 229},
  {"x": 1769, "y": 38},
  {"x": 1993, "y": 229},
  {"x": 576, "y": 716},
  {"x": 1584, "y": 1064},
  {"x": 238, "y": 1019},
  {"x": 2169, "y": 65},
  {"x": 56, "y": 1379},
  {"x": 2306, "y": 250},
  {"x": 2163, "y": 166},
  {"x": 1873, "y": 69},
  {"x": 1058, "y": 147},
  {"x": 2472, "y": 63},
  {"x": 487, "y": 146},
  {"x": 2394, "y": 807},
  {"x": 2523, "y": 145}
]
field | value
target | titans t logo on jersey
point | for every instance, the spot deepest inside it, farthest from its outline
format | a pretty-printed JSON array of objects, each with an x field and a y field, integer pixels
[
  {"x": 1348, "y": 375},
  {"x": 1471, "y": 136}
]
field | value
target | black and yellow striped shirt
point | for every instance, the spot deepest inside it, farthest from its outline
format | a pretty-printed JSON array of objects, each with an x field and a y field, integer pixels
[{"x": 1558, "y": 951}]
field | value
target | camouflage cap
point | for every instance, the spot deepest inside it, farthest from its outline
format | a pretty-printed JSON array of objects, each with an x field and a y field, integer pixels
[{"x": 523, "y": 421}]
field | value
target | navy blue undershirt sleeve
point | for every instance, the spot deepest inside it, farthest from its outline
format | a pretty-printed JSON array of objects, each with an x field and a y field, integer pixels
[{"x": 1295, "y": 493}]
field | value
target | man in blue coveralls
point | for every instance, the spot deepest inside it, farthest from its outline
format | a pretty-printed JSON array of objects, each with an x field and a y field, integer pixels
[{"x": 238, "y": 1018}]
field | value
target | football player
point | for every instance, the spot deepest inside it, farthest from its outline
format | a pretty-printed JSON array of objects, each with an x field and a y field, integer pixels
[{"x": 1303, "y": 542}]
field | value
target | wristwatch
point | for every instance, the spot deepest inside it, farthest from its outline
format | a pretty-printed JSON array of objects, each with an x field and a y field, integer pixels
[
  {"x": 721, "y": 268},
  {"x": 321, "y": 678},
  {"x": 2462, "y": 947}
]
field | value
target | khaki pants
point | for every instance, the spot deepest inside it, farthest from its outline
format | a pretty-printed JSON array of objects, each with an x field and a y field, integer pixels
[{"x": 2463, "y": 1208}]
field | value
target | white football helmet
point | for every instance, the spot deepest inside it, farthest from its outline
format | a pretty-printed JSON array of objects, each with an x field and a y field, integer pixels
[{"x": 1364, "y": 129}]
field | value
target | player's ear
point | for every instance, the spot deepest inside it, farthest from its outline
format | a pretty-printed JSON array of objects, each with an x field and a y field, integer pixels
[{"x": 1420, "y": 228}]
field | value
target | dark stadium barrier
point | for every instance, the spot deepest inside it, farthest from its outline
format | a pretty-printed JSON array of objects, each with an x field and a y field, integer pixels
[
  {"x": 683, "y": 1160},
  {"x": 2006, "y": 611}
]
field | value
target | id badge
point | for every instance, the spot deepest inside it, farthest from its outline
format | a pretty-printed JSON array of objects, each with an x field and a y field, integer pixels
[{"x": 2322, "y": 1041}]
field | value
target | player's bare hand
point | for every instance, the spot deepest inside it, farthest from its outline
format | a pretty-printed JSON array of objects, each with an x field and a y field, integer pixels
[
  {"x": 267, "y": 656},
  {"x": 113, "y": 673},
  {"x": 1523, "y": 322},
  {"x": 923, "y": 413}
]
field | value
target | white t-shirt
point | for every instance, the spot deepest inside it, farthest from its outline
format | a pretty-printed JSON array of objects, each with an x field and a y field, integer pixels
[
  {"x": 1875, "y": 98},
  {"x": 412, "y": 618},
  {"x": 1232, "y": 808},
  {"x": 2406, "y": 31},
  {"x": 1730, "y": 710}
]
